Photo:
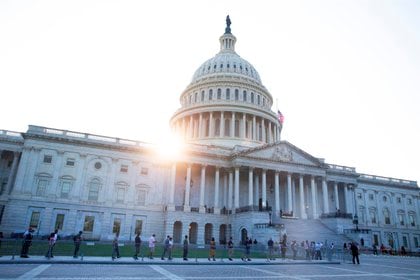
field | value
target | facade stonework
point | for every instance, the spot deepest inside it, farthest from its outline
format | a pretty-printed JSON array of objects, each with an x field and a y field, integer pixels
[{"x": 236, "y": 177}]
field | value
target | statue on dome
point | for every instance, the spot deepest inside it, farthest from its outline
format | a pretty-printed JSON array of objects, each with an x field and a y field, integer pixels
[{"x": 228, "y": 23}]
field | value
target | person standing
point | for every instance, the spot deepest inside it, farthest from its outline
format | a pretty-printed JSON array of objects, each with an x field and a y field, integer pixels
[
  {"x": 115, "y": 249},
  {"x": 77, "y": 239},
  {"x": 27, "y": 242},
  {"x": 50, "y": 245},
  {"x": 165, "y": 247},
  {"x": 152, "y": 244},
  {"x": 171, "y": 245},
  {"x": 185, "y": 249},
  {"x": 212, "y": 251},
  {"x": 230, "y": 249},
  {"x": 137, "y": 246},
  {"x": 355, "y": 252},
  {"x": 270, "y": 245},
  {"x": 247, "y": 244}
]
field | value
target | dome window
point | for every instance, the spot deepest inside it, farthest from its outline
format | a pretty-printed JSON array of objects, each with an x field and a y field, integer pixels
[
  {"x": 246, "y": 69},
  {"x": 214, "y": 67},
  {"x": 234, "y": 66},
  {"x": 189, "y": 99},
  {"x": 258, "y": 100},
  {"x": 196, "y": 97},
  {"x": 240, "y": 67},
  {"x": 245, "y": 96},
  {"x": 202, "y": 96},
  {"x": 210, "y": 94},
  {"x": 236, "y": 94},
  {"x": 252, "y": 97},
  {"x": 209, "y": 68},
  {"x": 228, "y": 65},
  {"x": 217, "y": 127},
  {"x": 228, "y": 94},
  {"x": 219, "y": 93},
  {"x": 221, "y": 66}
]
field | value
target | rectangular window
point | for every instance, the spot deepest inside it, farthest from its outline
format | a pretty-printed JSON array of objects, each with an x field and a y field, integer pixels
[
  {"x": 416, "y": 242},
  {"x": 141, "y": 199},
  {"x": 47, "y": 158},
  {"x": 1, "y": 212},
  {"x": 359, "y": 195},
  {"x": 33, "y": 223},
  {"x": 70, "y": 162},
  {"x": 65, "y": 189},
  {"x": 401, "y": 219},
  {"x": 412, "y": 222},
  {"x": 144, "y": 171},
  {"x": 124, "y": 168},
  {"x": 3, "y": 187},
  {"x": 372, "y": 217},
  {"x": 89, "y": 222},
  {"x": 59, "y": 221},
  {"x": 120, "y": 194},
  {"x": 139, "y": 226},
  {"x": 42, "y": 187},
  {"x": 370, "y": 196},
  {"x": 398, "y": 199},
  {"x": 375, "y": 239},
  {"x": 409, "y": 201},
  {"x": 117, "y": 226},
  {"x": 93, "y": 192},
  {"x": 405, "y": 241}
]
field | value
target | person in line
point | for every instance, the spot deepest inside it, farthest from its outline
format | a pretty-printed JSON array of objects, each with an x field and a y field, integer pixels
[
  {"x": 77, "y": 239},
  {"x": 355, "y": 252},
  {"x": 166, "y": 246},
  {"x": 185, "y": 249},
  {"x": 115, "y": 249},
  {"x": 294, "y": 247},
  {"x": 50, "y": 246},
  {"x": 212, "y": 251},
  {"x": 247, "y": 245},
  {"x": 230, "y": 249},
  {"x": 270, "y": 245},
  {"x": 307, "y": 248},
  {"x": 137, "y": 246},
  {"x": 171, "y": 245},
  {"x": 27, "y": 242},
  {"x": 152, "y": 245}
]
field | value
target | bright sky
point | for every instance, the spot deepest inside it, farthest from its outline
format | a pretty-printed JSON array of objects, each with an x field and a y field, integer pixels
[{"x": 346, "y": 73}]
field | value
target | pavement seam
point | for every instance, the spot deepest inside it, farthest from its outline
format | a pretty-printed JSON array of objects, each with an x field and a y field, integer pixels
[
  {"x": 34, "y": 272},
  {"x": 273, "y": 273},
  {"x": 165, "y": 273}
]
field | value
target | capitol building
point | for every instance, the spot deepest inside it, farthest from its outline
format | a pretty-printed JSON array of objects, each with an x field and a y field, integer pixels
[{"x": 235, "y": 176}]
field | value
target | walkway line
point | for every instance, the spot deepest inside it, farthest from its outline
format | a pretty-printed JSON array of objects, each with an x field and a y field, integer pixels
[
  {"x": 34, "y": 272},
  {"x": 165, "y": 273},
  {"x": 389, "y": 266},
  {"x": 273, "y": 273}
]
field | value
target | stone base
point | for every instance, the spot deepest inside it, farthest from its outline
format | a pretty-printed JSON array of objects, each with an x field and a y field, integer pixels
[
  {"x": 216, "y": 211},
  {"x": 202, "y": 209},
  {"x": 187, "y": 208},
  {"x": 170, "y": 207}
]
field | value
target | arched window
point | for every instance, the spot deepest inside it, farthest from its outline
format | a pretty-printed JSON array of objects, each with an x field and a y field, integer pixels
[
  {"x": 196, "y": 97},
  {"x": 387, "y": 218},
  {"x": 258, "y": 100},
  {"x": 236, "y": 94},
  {"x": 190, "y": 99},
  {"x": 252, "y": 97},
  {"x": 227, "y": 94},
  {"x": 207, "y": 128},
  {"x": 227, "y": 127},
  {"x": 217, "y": 127},
  {"x": 236, "y": 128},
  {"x": 245, "y": 96},
  {"x": 219, "y": 93},
  {"x": 202, "y": 96},
  {"x": 210, "y": 94}
]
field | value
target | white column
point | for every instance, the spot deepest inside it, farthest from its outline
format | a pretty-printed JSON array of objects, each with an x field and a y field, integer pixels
[
  {"x": 313, "y": 192},
  {"x": 222, "y": 124},
  {"x": 31, "y": 170},
  {"x": 225, "y": 189},
  {"x": 243, "y": 134},
  {"x": 250, "y": 187},
  {"x": 254, "y": 128},
  {"x": 346, "y": 199},
  {"x": 21, "y": 172},
  {"x": 191, "y": 128},
  {"x": 184, "y": 130},
  {"x": 257, "y": 189},
  {"x": 289, "y": 193},
  {"x": 54, "y": 187},
  {"x": 264, "y": 188},
  {"x": 216, "y": 191},
  {"x": 337, "y": 202},
  {"x": 263, "y": 131},
  {"x": 77, "y": 193},
  {"x": 236, "y": 187},
  {"x": 200, "y": 126},
  {"x": 302, "y": 198},
  {"x": 202, "y": 188},
  {"x": 325, "y": 195},
  {"x": 277, "y": 192},
  {"x": 211, "y": 125},
  {"x": 270, "y": 134},
  {"x": 12, "y": 174},
  {"x": 232, "y": 125},
  {"x": 187, "y": 190},
  {"x": 275, "y": 133},
  {"x": 110, "y": 190},
  {"x": 131, "y": 192},
  {"x": 171, "y": 205},
  {"x": 230, "y": 190}
]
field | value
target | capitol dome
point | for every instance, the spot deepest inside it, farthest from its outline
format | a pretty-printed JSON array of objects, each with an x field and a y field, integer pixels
[{"x": 226, "y": 103}]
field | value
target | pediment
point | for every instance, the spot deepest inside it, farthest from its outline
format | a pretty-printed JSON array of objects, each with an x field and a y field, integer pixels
[{"x": 281, "y": 152}]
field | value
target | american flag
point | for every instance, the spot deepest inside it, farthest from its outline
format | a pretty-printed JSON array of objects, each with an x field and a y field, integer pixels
[{"x": 280, "y": 117}]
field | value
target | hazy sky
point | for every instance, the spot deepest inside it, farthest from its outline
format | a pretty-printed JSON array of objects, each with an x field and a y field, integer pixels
[{"x": 346, "y": 74}]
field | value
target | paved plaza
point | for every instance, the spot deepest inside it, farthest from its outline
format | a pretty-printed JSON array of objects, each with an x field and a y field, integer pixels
[{"x": 371, "y": 267}]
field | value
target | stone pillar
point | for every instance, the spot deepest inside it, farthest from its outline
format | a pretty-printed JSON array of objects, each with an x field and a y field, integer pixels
[
  {"x": 277, "y": 192},
  {"x": 232, "y": 125},
  {"x": 243, "y": 134},
  {"x": 313, "y": 192},
  {"x": 34, "y": 158},
  {"x": 54, "y": 187},
  {"x": 263, "y": 131},
  {"x": 346, "y": 199},
  {"x": 222, "y": 124},
  {"x": 187, "y": 207},
  {"x": 275, "y": 133},
  {"x": 302, "y": 198},
  {"x": 12, "y": 174},
  {"x": 264, "y": 189},
  {"x": 236, "y": 187},
  {"x": 191, "y": 128},
  {"x": 250, "y": 187},
  {"x": 110, "y": 189},
  {"x": 80, "y": 180},
  {"x": 254, "y": 128},
  {"x": 225, "y": 190},
  {"x": 21, "y": 172},
  {"x": 230, "y": 190},
  {"x": 270, "y": 134},
  {"x": 337, "y": 202},
  {"x": 202, "y": 188},
  {"x": 325, "y": 195},
  {"x": 216, "y": 191},
  {"x": 257, "y": 189},
  {"x": 211, "y": 125},
  {"x": 131, "y": 192},
  {"x": 200, "y": 126},
  {"x": 171, "y": 205},
  {"x": 289, "y": 193}
]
